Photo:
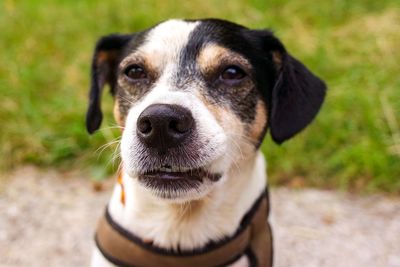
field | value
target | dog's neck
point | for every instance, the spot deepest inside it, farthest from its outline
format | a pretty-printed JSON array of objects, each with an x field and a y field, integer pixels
[{"x": 192, "y": 224}]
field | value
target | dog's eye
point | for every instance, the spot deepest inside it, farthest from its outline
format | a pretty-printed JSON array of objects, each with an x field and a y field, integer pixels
[
  {"x": 135, "y": 72},
  {"x": 233, "y": 73}
]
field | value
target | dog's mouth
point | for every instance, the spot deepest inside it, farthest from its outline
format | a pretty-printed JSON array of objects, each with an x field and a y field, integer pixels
[
  {"x": 170, "y": 180},
  {"x": 171, "y": 173}
]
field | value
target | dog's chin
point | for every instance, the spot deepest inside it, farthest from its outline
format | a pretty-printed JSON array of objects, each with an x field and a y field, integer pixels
[{"x": 178, "y": 185}]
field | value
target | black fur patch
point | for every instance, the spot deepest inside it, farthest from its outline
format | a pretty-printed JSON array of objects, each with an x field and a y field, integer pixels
[
  {"x": 104, "y": 65},
  {"x": 224, "y": 34},
  {"x": 242, "y": 101},
  {"x": 130, "y": 92}
]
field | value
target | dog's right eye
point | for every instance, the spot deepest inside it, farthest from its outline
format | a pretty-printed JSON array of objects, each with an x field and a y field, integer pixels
[{"x": 135, "y": 72}]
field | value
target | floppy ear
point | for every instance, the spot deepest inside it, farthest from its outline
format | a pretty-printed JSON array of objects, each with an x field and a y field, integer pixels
[
  {"x": 104, "y": 66},
  {"x": 296, "y": 96}
]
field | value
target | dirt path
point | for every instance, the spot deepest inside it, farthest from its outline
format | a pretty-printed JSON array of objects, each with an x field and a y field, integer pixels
[{"x": 48, "y": 218}]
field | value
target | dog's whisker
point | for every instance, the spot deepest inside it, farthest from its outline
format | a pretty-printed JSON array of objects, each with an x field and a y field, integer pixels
[
  {"x": 127, "y": 99},
  {"x": 182, "y": 210},
  {"x": 101, "y": 149},
  {"x": 237, "y": 146},
  {"x": 246, "y": 138},
  {"x": 233, "y": 160},
  {"x": 116, "y": 155},
  {"x": 111, "y": 127}
]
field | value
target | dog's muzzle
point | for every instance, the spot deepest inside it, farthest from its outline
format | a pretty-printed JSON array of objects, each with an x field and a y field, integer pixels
[{"x": 168, "y": 137}]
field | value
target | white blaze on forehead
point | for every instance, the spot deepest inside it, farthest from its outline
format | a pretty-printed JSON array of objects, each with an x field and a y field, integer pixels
[{"x": 166, "y": 41}]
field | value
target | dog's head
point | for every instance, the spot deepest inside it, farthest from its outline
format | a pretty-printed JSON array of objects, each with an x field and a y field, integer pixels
[{"x": 195, "y": 99}]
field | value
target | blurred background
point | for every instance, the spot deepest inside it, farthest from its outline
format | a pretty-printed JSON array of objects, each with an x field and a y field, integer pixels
[
  {"x": 52, "y": 173},
  {"x": 354, "y": 144}
]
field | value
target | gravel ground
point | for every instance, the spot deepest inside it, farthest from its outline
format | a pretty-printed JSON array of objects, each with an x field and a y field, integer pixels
[{"x": 48, "y": 219}]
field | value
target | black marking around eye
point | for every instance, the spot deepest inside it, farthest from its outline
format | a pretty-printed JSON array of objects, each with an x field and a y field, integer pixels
[
  {"x": 126, "y": 93},
  {"x": 241, "y": 99}
]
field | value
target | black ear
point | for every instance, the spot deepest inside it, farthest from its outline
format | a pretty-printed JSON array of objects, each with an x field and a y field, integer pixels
[
  {"x": 296, "y": 97},
  {"x": 104, "y": 66}
]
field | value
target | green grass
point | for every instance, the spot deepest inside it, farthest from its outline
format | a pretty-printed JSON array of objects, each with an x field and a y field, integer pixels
[{"x": 46, "y": 49}]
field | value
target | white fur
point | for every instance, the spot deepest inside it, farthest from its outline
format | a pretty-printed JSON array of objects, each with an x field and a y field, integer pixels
[
  {"x": 214, "y": 210},
  {"x": 167, "y": 39}
]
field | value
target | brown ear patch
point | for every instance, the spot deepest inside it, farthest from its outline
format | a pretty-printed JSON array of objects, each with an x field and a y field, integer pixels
[
  {"x": 277, "y": 58},
  {"x": 107, "y": 57},
  {"x": 102, "y": 57},
  {"x": 106, "y": 62}
]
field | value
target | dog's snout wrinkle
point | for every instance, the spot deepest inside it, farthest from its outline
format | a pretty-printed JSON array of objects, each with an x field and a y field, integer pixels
[{"x": 164, "y": 126}]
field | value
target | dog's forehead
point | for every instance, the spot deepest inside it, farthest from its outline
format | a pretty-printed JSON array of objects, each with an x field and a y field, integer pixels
[
  {"x": 166, "y": 40},
  {"x": 175, "y": 40}
]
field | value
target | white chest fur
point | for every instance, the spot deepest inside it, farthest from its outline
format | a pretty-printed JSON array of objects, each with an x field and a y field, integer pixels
[{"x": 189, "y": 225}]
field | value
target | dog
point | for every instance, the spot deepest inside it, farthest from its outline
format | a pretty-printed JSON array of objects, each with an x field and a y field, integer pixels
[{"x": 194, "y": 100}]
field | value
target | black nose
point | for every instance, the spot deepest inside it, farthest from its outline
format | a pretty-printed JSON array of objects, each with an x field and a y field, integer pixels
[{"x": 164, "y": 126}]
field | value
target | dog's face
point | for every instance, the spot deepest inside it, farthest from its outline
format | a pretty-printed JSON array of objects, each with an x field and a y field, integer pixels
[{"x": 195, "y": 99}]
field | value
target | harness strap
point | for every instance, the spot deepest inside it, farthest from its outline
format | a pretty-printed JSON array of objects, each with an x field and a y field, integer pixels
[
  {"x": 125, "y": 249},
  {"x": 261, "y": 237}
]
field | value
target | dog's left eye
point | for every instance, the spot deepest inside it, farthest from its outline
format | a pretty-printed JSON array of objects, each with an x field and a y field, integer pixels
[
  {"x": 135, "y": 72},
  {"x": 232, "y": 73}
]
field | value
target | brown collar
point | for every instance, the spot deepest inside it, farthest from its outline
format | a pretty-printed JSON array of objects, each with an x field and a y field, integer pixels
[{"x": 253, "y": 238}]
